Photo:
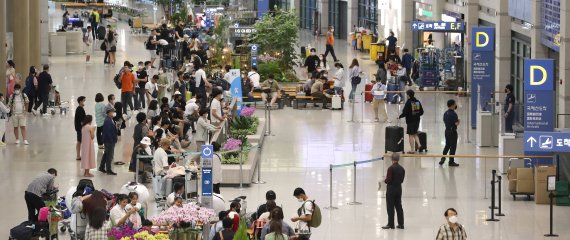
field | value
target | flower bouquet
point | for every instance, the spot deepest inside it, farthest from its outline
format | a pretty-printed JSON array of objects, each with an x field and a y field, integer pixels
[
  {"x": 121, "y": 233},
  {"x": 247, "y": 111},
  {"x": 186, "y": 222},
  {"x": 232, "y": 144}
]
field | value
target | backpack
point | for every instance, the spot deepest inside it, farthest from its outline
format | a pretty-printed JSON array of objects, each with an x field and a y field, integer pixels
[
  {"x": 29, "y": 87},
  {"x": 92, "y": 18},
  {"x": 117, "y": 80},
  {"x": 316, "y": 217},
  {"x": 11, "y": 102},
  {"x": 101, "y": 32}
]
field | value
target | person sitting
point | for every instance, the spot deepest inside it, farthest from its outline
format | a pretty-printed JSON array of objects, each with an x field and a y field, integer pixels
[
  {"x": 161, "y": 165},
  {"x": 178, "y": 192},
  {"x": 317, "y": 91},
  {"x": 218, "y": 226},
  {"x": 233, "y": 213},
  {"x": 178, "y": 201},
  {"x": 270, "y": 205},
  {"x": 308, "y": 84},
  {"x": 98, "y": 225},
  {"x": 276, "y": 231},
  {"x": 270, "y": 88},
  {"x": 227, "y": 232},
  {"x": 269, "y": 196},
  {"x": 119, "y": 215},
  {"x": 142, "y": 149}
]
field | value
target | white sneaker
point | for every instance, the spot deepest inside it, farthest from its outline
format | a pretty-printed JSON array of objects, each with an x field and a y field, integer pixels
[
  {"x": 26, "y": 142},
  {"x": 17, "y": 141}
]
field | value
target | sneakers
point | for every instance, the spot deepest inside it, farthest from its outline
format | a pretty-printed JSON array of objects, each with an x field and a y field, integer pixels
[
  {"x": 453, "y": 164},
  {"x": 26, "y": 142},
  {"x": 17, "y": 141},
  {"x": 442, "y": 161},
  {"x": 376, "y": 120}
]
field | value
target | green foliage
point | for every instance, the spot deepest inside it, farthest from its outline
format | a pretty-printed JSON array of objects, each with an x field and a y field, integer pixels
[
  {"x": 280, "y": 74},
  {"x": 219, "y": 42},
  {"x": 278, "y": 33},
  {"x": 241, "y": 233},
  {"x": 175, "y": 7}
]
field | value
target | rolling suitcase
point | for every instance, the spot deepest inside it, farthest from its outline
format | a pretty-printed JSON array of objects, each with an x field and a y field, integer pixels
[
  {"x": 368, "y": 96},
  {"x": 394, "y": 139},
  {"x": 336, "y": 102},
  {"x": 423, "y": 141}
]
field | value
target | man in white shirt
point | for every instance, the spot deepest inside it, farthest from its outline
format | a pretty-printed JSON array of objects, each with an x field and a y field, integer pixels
[
  {"x": 88, "y": 41},
  {"x": 227, "y": 75},
  {"x": 216, "y": 108},
  {"x": 305, "y": 214},
  {"x": 201, "y": 84},
  {"x": 191, "y": 107},
  {"x": 161, "y": 162},
  {"x": 18, "y": 104},
  {"x": 379, "y": 104},
  {"x": 254, "y": 77},
  {"x": 151, "y": 88}
]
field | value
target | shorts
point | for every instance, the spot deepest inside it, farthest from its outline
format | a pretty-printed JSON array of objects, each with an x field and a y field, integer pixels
[
  {"x": 19, "y": 120},
  {"x": 152, "y": 53},
  {"x": 88, "y": 50},
  {"x": 78, "y": 136},
  {"x": 269, "y": 95},
  {"x": 413, "y": 128}
]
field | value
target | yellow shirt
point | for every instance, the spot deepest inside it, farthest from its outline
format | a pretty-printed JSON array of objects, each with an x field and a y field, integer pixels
[{"x": 97, "y": 19}]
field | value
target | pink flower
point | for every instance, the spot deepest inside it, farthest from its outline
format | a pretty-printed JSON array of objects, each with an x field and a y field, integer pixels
[
  {"x": 247, "y": 111},
  {"x": 232, "y": 144}
]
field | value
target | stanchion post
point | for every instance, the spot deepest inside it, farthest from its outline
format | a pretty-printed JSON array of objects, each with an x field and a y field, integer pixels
[
  {"x": 484, "y": 180},
  {"x": 493, "y": 219},
  {"x": 241, "y": 168},
  {"x": 551, "y": 234},
  {"x": 500, "y": 213},
  {"x": 363, "y": 96},
  {"x": 137, "y": 169},
  {"x": 258, "y": 167},
  {"x": 330, "y": 207},
  {"x": 354, "y": 202},
  {"x": 434, "y": 159}
]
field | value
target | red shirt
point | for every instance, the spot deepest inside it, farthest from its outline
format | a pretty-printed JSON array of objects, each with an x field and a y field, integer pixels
[{"x": 127, "y": 82}]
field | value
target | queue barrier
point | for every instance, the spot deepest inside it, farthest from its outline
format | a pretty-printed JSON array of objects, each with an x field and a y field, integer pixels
[
  {"x": 189, "y": 153},
  {"x": 434, "y": 156}
]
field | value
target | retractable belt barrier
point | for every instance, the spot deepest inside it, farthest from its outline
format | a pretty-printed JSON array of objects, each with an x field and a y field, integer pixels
[{"x": 388, "y": 156}]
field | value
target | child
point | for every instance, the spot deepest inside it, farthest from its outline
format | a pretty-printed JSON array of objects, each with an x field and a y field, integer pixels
[
  {"x": 135, "y": 219},
  {"x": 178, "y": 202}
]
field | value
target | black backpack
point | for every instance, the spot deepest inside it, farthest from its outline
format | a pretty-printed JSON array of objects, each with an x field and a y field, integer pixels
[
  {"x": 117, "y": 80},
  {"x": 101, "y": 32}
]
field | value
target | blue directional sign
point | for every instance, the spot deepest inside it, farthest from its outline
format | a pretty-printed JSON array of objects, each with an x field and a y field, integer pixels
[
  {"x": 438, "y": 26},
  {"x": 235, "y": 82},
  {"x": 207, "y": 151},
  {"x": 538, "y": 111},
  {"x": 546, "y": 141},
  {"x": 483, "y": 68},
  {"x": 254, "y": 49},
  {"x": 207, "y": 185}
]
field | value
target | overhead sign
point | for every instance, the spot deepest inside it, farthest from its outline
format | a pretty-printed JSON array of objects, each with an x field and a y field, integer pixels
[
  {"x": 482, "y": 69},
  {"x": 438, "y": 26},
  {"x": 546, "y": 142},
  {"x": 207, "y": 174},
  {"x": 539, "y": 94},
  {"x": 241, "y": 32}
]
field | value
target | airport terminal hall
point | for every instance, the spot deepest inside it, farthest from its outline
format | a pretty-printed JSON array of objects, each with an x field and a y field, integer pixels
[{"x": 285, "y": 119}]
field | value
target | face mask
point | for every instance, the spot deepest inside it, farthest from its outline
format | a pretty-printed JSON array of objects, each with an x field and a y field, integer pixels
[
  {"x": 300, "y": 200},
  {"x": 160, "y": 71},
  {"x": 114, "y": 114},
  {"x": 453, "y": 219},
  {"x": 16, "y": 91}
]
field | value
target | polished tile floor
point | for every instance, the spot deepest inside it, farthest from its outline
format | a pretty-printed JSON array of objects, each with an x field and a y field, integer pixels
[{"x": 303, "y": 145}]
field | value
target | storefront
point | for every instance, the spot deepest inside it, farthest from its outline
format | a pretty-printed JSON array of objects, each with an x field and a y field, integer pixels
[
  {"x": 309, "y": 14},
  {"x": 338, "y": 18},
  {"x": 368, "y": 15}
]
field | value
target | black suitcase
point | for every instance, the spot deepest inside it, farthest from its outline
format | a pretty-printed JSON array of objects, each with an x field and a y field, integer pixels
[
  {"x": 423, "y": 141},
  {"x": 24, "y": 231},
  {"x": 394, "y": 139}
]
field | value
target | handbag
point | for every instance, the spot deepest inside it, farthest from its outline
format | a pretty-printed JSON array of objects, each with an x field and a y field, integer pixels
[
  {"x": 356, "y": 80},
  {"x": 103, "y": 46}
]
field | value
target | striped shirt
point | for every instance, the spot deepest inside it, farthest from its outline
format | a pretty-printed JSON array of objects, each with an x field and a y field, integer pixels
[
  {"x": 41, "y": 184},
  {"x": 97, "y": 234},
  {"x": 446, "y": 232}
]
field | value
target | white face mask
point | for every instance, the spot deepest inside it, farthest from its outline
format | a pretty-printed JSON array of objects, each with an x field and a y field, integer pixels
[
  {"x": 452, "y": 219},
  {"x": 160, "y": 71},
  {"x": 114, "y": 114},
  {"x": 300, "y": 200},
  {"x": 16, "y": 91}
]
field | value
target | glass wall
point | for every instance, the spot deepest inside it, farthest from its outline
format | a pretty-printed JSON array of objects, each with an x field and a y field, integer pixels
[
  {"x": 283, "y": 4},
  {"x": 308, "y": 9},
  {"x": 520, "y": 49},
  {"x": 367, "y": 14},
  {"x": 334, "y": 16}
]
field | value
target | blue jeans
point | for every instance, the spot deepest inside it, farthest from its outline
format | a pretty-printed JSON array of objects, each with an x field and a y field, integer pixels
[
  {"x": 402, "y": 87},
  {"x": 140, "y": 98},
  {"x": 127, "y": 100},
  {"x": 352, "y": 91}
]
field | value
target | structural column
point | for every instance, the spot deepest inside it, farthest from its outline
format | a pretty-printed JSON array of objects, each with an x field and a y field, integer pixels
[
  {"x": 438, "y": 37},
  {"x": 323, "y": 7},
  {"x": 352, "y": 16},
  {"x": 407, "y": 14},
  {"x": 503, "y": 46},
  {"x": 20, "y": 20},
  {"x": 3, "y": 47},
  {"x": 538, "y": 50},
  {"x": 564, "y": 68},
  {"x": 472, "y": 20},
  {"x": 34, "y": 52}
]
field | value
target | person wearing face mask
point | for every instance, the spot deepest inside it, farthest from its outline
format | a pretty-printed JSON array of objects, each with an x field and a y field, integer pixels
[
  {"x": 140, "y": 84},
  {"x": 270, "y": 89},
  {"x": 4, "y": 110},
  {"x": 330, "y": 44},
  {"x": 18, "y": 104},
  {"x": 162, "y": 83},
  {"x": 305, "y": 214},
  {"x": 161, "y": 165},
  {"x": 31, "y": 87},
  {"x": 312, "y": 62},
  {"x": 233, "y": 213},
  {"x": 216, "y": 115},
  {"x": 392, "y": 43},
  {"x": 202, "y": 128},
  {"x": 246, "y": 87},
  {"x": 118, "y": 214},
  {"x": 394, "y": 179},
  {"x": 452, "y": 230},
  {"x": 44, "y": 86},
  {"x": 451, "y": 121},
  {"x": 509, "y": 108},
  {"x": 109, "y": 141},
  {"x": 323, "y": 62},
  {"x": 402, "y": 80}
]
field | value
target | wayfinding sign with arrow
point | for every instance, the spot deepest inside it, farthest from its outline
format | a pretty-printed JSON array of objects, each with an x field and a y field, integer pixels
[{"x": 546, "y": 142}]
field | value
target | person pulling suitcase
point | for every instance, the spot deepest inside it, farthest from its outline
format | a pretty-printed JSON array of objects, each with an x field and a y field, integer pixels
[
  {"x": 413, "y": 111},
  {"x": 451, "y": 122}
]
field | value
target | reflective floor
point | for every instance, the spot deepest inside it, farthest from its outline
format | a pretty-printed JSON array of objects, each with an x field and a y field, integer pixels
[{"x": 303, "y": 145}]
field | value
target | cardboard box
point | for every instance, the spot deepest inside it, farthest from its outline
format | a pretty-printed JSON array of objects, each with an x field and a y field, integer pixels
[
  {"x": 525, "y": 174},
  {"x": 541, "y": 173},
  {"x": 512, "y": 174},
  {"x": 540, "y": 193},
  {"x": 525, "y": 186},
  {"x": 512, "y": 185}
]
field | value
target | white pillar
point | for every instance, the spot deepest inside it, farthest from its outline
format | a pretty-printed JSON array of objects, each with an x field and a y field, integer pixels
[
  {"x": 503, "y": 46},
  {"x": 538, "y": 50},
  {"x": 20, "y": 20},
  {"x": 34, "y": 53},
  {"x": 564, "y": 68},
  {"x": 407, "y": 15},
  {"x": 2, "y": 45},
  {"x": 352, "y": 15},
  {"x": 323, "y": 6},
  {"x": 472, "y": 20}
]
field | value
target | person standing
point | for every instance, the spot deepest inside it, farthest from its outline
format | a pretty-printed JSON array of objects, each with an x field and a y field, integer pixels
[
  {"x": 87, "y": 146},
  {"x": 79, "y": 117},
  {"x": 106, "y": 57},
  {"x": 451, "y": 121},
  {"x": 339, "y": 78},
  {"x": 391, "y": 43},
  {"x": 31, "y": 87},
  {"x": 140, "y": 84},
  {"x": 18, "y": 104},
  {"x": 202, "y": 128},
  {"x": 100, "y": 115},
  {"x": 94, "y": 20},
  {"x": 151, "y": 88},
  {"x": 201, "y": 85},
  {"x": 111, "y": 45},
  {"x": 305, "y": 214},
  {"x": 452, "y": 230},
  {"x": 407, "y": 61},
  {"x": 379, "y": 102},
  {"x": 413, "y": 111},
  {"x": 394, "y": 179},
  {"x": 10, "y": 77},
  {"x": 151, "y": 45},
  {"x": 216, "y": 168},
  {"x": 127, "y": 86},
  {"x": 311, "y": 62},
  {"x": 509, "y": 108},
  {"x": 162, "y": 83},
  {"x": 4, "y": 110},
  {"x": 42, "y": 184},
  {"x": 109, "y": 140},
  {"x": 216, "y": 115},
  {"x": 88, "y": 40},
  {"x": 330, "y": 44},
  {"x": 353, "y": 74},
  {"x": 44, "y": 86}
]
